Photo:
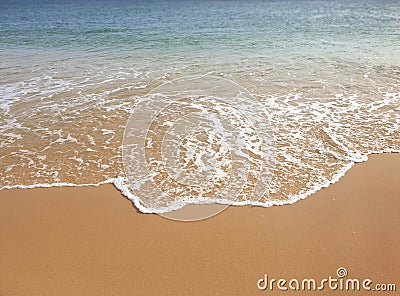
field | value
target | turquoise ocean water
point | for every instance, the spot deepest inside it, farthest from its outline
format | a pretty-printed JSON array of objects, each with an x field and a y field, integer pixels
[{"x": 71, "y": 73}]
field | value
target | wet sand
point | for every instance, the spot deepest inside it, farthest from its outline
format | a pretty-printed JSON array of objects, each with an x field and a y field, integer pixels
[{"x": 92, "y": 241}]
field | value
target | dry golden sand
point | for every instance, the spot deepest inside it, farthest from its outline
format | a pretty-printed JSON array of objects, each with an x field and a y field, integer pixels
[{"x": 92, "y": 241}]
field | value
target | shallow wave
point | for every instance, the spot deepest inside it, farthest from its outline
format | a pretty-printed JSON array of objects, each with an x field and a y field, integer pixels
[
  {"x": 123, "y": 185},
  {"x": 62, "y": 122}
]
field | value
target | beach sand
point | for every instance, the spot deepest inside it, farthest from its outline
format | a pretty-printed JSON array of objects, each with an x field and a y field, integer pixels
[{"x": 92, "y": 241}]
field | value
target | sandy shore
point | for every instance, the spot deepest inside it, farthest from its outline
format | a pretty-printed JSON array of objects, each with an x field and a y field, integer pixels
[{"x": 92, "y": 241}]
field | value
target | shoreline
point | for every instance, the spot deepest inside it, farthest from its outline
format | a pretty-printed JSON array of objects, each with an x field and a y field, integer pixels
[
  {"x": 92, "y": 241},
  {"x": 119, "y": 186}
]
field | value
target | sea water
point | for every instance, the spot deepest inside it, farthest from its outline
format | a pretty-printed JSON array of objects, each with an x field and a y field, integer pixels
[{"x": 326, "y": 73}]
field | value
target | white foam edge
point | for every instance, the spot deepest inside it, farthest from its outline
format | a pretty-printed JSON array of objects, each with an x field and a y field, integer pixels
[{"x": 120, "y": 184}]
